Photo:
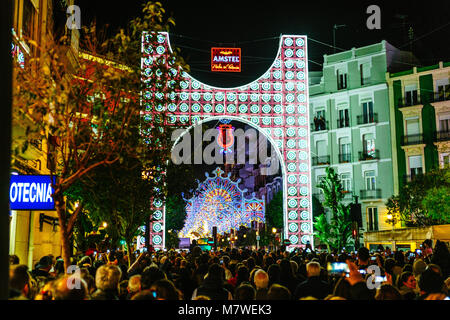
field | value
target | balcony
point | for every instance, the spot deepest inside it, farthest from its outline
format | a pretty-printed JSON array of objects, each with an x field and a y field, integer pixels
[
  {"x": 372, "y": 155},
  {"x": 412, "y": 139},
  {"x": 404, "y": 102},
  {"x": 348, "y": 195},
  {"x": 370, "y": 194},
  {"x": 440, "y": 96},
  {"x": 367, "y": 118},
  {"x": 319, "y": 126},
  {"x": 343, "y": 123},
  {"x": 442, "y": 136},
  {"x": 345, "y": 157},
  {"x": 320, "y": 161}
]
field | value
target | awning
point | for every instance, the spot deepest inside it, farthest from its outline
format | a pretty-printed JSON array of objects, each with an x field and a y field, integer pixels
[{"x": 439, "y": 232}]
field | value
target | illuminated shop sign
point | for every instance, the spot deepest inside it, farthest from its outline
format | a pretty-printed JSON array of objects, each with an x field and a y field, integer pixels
[
  {"x": 31, "y": 193},
  {"x": 226, "y": 59}
]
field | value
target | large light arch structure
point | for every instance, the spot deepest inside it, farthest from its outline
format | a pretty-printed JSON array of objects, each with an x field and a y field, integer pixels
[{"x": 276, "y": 104}]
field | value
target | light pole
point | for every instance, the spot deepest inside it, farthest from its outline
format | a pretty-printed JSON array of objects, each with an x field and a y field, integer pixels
[{"x": 335, "y": 27}]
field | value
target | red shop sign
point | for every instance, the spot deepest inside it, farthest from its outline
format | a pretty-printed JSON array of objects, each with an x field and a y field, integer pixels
[{"x": 226, "y": 59}]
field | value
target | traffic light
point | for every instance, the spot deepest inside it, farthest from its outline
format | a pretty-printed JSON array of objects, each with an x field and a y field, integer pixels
[{"x": 354, "y": 233}]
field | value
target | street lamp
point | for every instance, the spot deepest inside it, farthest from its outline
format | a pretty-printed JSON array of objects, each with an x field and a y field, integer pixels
[
  {"x": 274, "y": 230},
  {"x": 104, "y": 224}
]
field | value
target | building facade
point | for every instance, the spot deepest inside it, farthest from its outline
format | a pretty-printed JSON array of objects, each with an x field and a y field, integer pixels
[
  {"x": 350, "y": 130},
  {"x": 420, "y": 109},
  {"x": 33, "y": 233}
]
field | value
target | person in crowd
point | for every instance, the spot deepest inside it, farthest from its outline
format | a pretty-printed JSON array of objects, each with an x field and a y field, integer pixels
[
  {"x": 419, "y": 267},
  {"x": 342, "y": 289},
  {"x": 430, "y": 282},
  {"x": 89, "y": 279},
  {"x": 150, "y": 275},
  {"x": 313, "y": 286},
  {"x": 407, "y": 286},
  {"x": 274, "y": 273},
  {"x": 165, "y": 290},
  {"x": 107, "y": 280},
  {"x": 245, "y": 292},
  {"x": 13, "y": 259},
  {"x": 69, "y": 287},
  {"x": 134, "y": 285},
  {"x": 278, "y": 292},
  {"x": 43, "y": 268},
  {"x": 287, "y": 277},
  {"x": 441, "y": 257},
  {"x": 387, "y": 292},
  {"x": 213, "y": 285},
  {"x": 363, "y": 258},
  {"x": 389, "y": 265},
  {"x": 261, "y": 280},
  {"x": 123, "y": 290},
  {"x": 242, "y": 276},
  {"x": 19, "y": 282}
]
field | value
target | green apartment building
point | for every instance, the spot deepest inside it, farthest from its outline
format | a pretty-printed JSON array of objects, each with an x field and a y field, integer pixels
[
  {"x": 351, "y": 130},
  {"x": 420, "y": 109}
]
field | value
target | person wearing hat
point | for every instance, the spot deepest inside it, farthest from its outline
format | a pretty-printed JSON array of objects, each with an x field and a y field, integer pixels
[{"x": 43, "y": 267}]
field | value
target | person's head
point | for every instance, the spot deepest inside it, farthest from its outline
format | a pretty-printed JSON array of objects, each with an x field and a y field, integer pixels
[
  {"x": 419, "y": 267},
  {"x": 313, "y": 269},
  {"x": 435, "y": 268},
  {"x": 19, "y": 279},
  {"x": 150, "y": 275},
  {"x": 70, "y": 287},
  {"x": 215, "y": 272},
  {"x": 261, "y": 279},
  {"x": 165, "y": 290},
  {"x": 242, "y": 274},
  {"x": 407, "y": 279},
  {"x": 13, "y": 259},
  {"x": 123, "y": 289},
  {"x": 144, "y": 295},
  {"x": 134, "y": 284},
  {"x": 294, "y": 266},
  {"x": 274, "y": 273},
  {"x": 363, "y": 255},
  {"x": 244, "y": 292},
  {"x": 389, "y": 265},
  {"x": 278, "y": 292},
  {"x": 107, "y": 277},
  {"x": 388, "y": 292},
  {"x": 45, "y": 263},
  {"x": 430, "y": 282}
]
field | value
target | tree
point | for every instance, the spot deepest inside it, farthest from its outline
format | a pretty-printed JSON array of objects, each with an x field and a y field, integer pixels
[
  {"x": 424, "y": 200},
  {"x": 337, "y": 232},
  {"x": 87, "y": 111},
  {"x": 274, "y": 211}
]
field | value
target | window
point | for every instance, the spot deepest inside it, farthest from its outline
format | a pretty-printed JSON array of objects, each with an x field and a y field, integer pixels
[
  {"x": 344, "y": 150},
  {"x": 321, "y": 148},
  {"x": 372, "y": 219},
  {"x": 445, "y": 160},
  {"x": 369, "y": 177},
  {"x": 415, "y": 166},
  {"x": 412, "y": 126},
  {"x": 344, "y": 119},
  {"x": 346, "y": 181},
  {"x": 411, "y": 97},
  {"x": 443, "y": 90},
  {"x": 368, "y": 145},
  {"x": 28, "y": 19},
  {"x": 319, "y": 120},
  {"x": 444, "y": 123},
  {"x": 367, "y": 108},
  {"x": 364, "y": 69},
  {"x": 341, "y": 80}
]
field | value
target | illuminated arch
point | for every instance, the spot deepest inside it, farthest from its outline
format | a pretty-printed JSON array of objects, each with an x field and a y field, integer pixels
[{"x": 276, "y": 104}]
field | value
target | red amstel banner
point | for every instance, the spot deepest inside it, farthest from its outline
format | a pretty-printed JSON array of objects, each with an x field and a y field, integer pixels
[{"x": 226, "y": 59}]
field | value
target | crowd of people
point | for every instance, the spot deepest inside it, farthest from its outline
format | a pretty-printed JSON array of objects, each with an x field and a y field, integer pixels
[{"x": 239, "y": 274}]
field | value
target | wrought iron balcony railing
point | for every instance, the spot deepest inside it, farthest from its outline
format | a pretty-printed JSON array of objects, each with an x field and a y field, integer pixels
[
  {"x": 345, "y": 157},
  {"x": 367, "y": 118},
  {"x": 370, "y": 194},
  {"x": 372, "y": 155},
  {"x": 322, "y": 160},
  {"x": 343, "y": 123},
  {"x": 412, "y": 139}
]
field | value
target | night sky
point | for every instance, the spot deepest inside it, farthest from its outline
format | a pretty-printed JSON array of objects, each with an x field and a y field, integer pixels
[{"x": 255, "y": 26}]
